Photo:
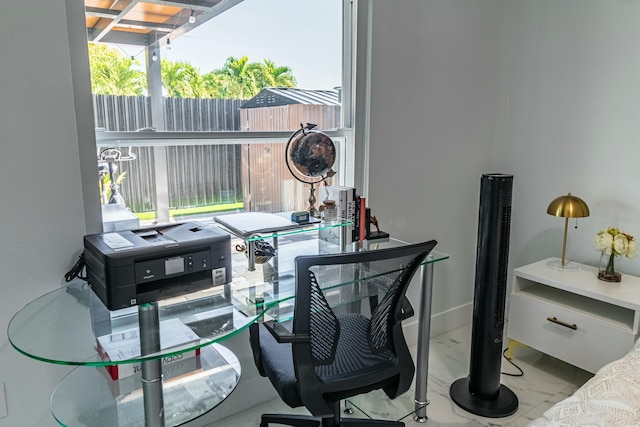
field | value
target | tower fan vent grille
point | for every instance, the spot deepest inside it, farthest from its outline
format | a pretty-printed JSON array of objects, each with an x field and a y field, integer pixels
[{"x": 502, "y": 265}]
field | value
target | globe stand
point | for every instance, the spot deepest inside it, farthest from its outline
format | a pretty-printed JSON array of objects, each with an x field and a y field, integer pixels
[{"x": 312, "y": 202}]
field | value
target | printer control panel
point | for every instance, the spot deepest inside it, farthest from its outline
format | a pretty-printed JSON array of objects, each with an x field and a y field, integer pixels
[{"x": 162, "y": 268}]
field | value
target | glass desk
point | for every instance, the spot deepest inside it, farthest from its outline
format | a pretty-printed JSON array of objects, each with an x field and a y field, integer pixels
[{"x": 62, "y": 327}]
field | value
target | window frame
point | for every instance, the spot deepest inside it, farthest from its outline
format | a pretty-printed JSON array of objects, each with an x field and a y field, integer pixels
[{"x": 344, "y": 136}]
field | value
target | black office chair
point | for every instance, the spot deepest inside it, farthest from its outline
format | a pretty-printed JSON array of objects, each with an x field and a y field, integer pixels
[{"x": 333, "y": 351}]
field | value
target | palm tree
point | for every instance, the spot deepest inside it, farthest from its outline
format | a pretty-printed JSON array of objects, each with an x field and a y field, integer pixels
[
  {"x": 214, "y": 86},
  {"x": 238, "y": 77},
  {"x": 113, "y": 73},
  {"x": 182, "y": 80},
  {"x": 273, "y": 75}
]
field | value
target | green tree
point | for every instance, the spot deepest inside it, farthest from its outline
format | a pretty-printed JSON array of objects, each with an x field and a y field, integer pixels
[
  {"x": 272, "y": 75},
  {"x": 182, "y": 80},
  {"x": 113, "y": 74},
  {"x": 214, "y": 86},
  {"x": 238, "y": 78}
]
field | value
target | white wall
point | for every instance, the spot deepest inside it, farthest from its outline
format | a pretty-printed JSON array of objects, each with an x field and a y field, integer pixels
[
  {"x": 574, "y": 124},
  {"x": 438, "y": 96},
  {"x": 40, "y": 187},
  {"x": 547, "y": 91}
]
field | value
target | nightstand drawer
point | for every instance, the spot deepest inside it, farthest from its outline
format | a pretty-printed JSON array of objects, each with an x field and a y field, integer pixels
[{"x": 579, "y": 338}]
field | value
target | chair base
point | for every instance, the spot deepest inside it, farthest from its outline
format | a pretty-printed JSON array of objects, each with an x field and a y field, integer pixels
[{"x": 311, "y": 421}]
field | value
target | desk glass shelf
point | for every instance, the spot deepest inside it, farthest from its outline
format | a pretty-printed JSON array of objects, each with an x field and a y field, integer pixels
[
  {"x": 63, "y": 326},
  {"x": 191, "y": 388},
  {"x": 305, "y": 228},
  {"x": 253, "y": 226}
]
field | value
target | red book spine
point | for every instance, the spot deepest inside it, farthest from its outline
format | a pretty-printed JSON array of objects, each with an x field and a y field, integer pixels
[{"x": 363, "y": 222}]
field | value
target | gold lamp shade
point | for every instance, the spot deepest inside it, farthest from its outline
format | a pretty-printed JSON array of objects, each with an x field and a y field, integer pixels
[{"x": 566, "y": 207}]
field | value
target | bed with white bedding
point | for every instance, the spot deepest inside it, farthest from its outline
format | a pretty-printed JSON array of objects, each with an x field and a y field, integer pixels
[{"x": 610, "y": 398}]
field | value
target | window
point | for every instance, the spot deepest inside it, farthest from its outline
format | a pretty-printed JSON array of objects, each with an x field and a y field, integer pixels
[{"x": 227, "y": 82}]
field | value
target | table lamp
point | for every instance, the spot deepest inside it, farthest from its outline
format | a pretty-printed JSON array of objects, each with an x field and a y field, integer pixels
[{"x": 568, "y": 206}]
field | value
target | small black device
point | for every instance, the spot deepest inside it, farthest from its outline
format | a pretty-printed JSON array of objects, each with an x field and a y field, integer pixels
[{"x": 131, "y": 267}]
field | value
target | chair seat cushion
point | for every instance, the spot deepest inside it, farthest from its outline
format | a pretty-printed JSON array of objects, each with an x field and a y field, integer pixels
[{"x": 353, "y": 356}]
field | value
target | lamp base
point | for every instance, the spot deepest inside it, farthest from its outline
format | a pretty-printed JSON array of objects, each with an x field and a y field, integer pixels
[{"x": 556, "y": 264}]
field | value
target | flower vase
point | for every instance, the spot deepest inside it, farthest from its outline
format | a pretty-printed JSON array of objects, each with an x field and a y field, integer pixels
[{"x": 607, "y": 271}]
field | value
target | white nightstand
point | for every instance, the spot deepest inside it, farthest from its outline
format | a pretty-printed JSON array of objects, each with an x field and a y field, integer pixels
[{"x": 573, "y": 316}]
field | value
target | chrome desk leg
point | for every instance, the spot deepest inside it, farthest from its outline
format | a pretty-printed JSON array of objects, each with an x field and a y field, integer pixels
[
  {"x": 424, "y": 330},
  {"x": 149, "y": 325},
  {"x": 251, "y": 255}
]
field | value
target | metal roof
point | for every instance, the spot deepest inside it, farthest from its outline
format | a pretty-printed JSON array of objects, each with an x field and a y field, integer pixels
[
  {"x": 147, "y": 22},
  {"x": 276, "y": 96}
]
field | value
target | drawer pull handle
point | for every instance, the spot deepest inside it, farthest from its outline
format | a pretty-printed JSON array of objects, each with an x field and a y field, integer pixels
[{"x": 560, "y": 322}]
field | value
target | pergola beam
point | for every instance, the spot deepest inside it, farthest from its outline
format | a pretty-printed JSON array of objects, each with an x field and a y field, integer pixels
[{"x": 109, "y": 28}]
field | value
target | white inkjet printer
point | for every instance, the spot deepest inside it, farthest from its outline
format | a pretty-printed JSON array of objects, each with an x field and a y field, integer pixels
[{"x": 130, "y": 267}]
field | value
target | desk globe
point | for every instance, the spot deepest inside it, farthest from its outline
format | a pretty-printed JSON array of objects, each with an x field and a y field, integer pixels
[{"x": 310, "y": 155}]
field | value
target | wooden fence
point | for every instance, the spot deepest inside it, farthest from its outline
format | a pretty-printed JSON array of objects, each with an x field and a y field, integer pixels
[
  {"x": 206, "y": 175},
  {"x": 200, "y": 175}
]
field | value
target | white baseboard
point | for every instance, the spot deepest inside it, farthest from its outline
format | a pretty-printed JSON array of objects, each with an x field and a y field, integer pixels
[{"x": 440, "y": 323}]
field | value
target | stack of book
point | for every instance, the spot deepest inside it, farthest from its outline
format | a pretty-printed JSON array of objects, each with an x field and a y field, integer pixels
[
  {"x": 353, "y": 208},
  {"x": 347, "y": 202}
]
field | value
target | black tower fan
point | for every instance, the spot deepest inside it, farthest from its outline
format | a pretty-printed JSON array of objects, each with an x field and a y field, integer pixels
[{"x": 481, "y": 392}]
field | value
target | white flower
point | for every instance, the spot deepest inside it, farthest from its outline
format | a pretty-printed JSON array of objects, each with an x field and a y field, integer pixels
[
  {"x": 632, "y": 251},
  {"x": 604, "y": 242},
  {"x": 613, "y": 241},
  {"x": 620, "y": 244}
]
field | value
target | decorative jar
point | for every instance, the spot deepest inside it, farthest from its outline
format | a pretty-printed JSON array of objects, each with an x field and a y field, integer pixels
[{"x": 329, "y": 211}]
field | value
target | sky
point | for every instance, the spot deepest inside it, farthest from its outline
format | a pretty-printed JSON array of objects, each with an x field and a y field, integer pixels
[{"x": 305, "y": 35}]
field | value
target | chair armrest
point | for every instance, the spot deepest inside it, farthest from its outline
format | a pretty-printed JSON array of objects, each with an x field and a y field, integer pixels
[
  {"x": 406, "y": 309},
  {"x": 282, "y": 335}
]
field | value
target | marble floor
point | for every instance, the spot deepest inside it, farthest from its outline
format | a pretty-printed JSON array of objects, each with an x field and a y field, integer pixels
[{"x": 545, "y": 381}]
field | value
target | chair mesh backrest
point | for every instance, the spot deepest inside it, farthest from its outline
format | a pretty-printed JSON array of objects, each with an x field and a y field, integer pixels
[
  {"x": 323, "y": 326},
  {"x": 388, "y": 277},
  {"x": 381, "y": 318}
]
